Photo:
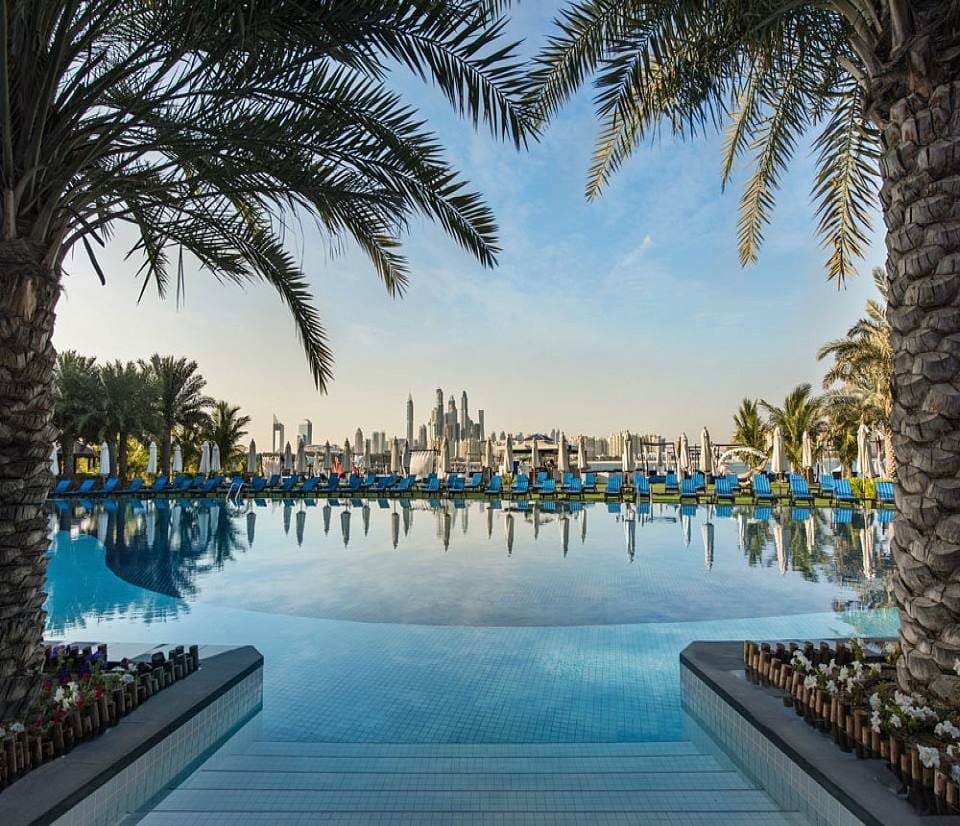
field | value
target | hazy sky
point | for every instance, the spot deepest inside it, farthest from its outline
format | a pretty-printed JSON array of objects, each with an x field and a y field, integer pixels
[{"x": 628, "y": 312}]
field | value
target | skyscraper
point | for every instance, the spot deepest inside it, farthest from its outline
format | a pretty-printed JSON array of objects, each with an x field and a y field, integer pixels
[
  {"x": 410, "y": 419},
  {"x": 358, "y": 440},
  {"x": 422, "y": 437},
  {"x": 481, "y": 433},
  {"x": 438, "y": 416},
  {"x": 276, "y": 444},
  {"x": 464, "y": 414},
  {"x": 305, "y": 431}
]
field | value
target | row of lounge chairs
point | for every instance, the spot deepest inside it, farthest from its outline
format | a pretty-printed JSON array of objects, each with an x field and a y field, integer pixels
[{"x": 693, "y": 488}]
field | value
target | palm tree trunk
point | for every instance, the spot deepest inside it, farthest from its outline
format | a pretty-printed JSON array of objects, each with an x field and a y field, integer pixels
[
  {"x": 28, "y": 298},
  {"x": 121, "y": 455},
  {"x": 165, "y": 450},
  {"x": 67, "y": 441},
  {"x": 890, "y": 460},
  {"x": 920, "y": 166}
]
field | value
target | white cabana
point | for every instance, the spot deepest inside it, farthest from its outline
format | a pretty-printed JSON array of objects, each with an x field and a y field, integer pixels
[
  {"x": 778, "y": 459},
  {"x": 54, "y": 462},
  {"x": 563, "y": 460},
  {"x": 347, "y": 460},
  {"x": 104, "y": 459},
  {"x": 581, "y": 453},
  {"x": 444, "y": 461},
  {"x": 215, "y": 458},
  {"x": 177, "y": 465},
  {"x": 395, "y": 456},
  {"x": 864, "y": 465},
  {"x": 252, "y": 458},
  {"x": 422, "y": 463},
  {"x": 807, "y": 451},
  {"x": 683, "y": 455},
  {"x": 706, "y": 452},
  {"x": 507, "y": 467},
  {"x": 626, "y": 462},
  {"x": 488, "y": 459},
  {"x": 204, "y": 458}
]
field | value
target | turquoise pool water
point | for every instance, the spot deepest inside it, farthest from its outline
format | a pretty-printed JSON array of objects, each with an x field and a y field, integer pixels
[{"x": 439, "y": 622}]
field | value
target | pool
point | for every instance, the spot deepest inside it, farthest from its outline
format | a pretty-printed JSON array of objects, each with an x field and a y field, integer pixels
[{"x": 465, "y": 621}]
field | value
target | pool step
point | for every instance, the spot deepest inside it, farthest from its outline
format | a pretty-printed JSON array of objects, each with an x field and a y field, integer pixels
[{"x": 262, "y": 782}]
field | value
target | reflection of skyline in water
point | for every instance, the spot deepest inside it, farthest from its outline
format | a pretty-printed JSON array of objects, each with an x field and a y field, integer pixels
[{"x": 467, "y": 562}]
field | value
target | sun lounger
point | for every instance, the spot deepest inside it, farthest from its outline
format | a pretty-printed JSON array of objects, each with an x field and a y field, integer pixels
[
  {"x": 433, "y": 484},
  {"x": 722, "y": 490},
  {"x": 86, "y": 487},
  {"x": 670, "y": 484},
  {"x": 62, "y": 487},
  {"x": 614, "y": 485},
  {"x": 135, "y": 486},
  {"x": 734, "y": 482},
  {"x": 540, "y": 479},
  {"x": 273, "y": 481},
  {"x": 108, "y": 487},
  {"x": 288, "y": 484},
  {"x": 699, "y": 482},
  {"x": 566, "y": 480},
  {"x": 549, "y": 487},
  {"x": 641, "y": 485},
  {"x": 575, "y": 487},
  {"x": 473, "y": 483},
  {"x": 521, "y": 485},
  {"x": 761, "y": 488},
  {"x": 885, "y": 494},
  {"x": 386, "y": 482},
  {"x": 687, "y": 489},
  {"x": 495, "y": 485},
  {"x": 333, "y": 482},
  {"x": 212, "y": 484},
  {"x": 843, "y": 493},
  {"x": 590, "y": 482},
  {"x": 311, "y": 484},
  {"x": 799, "y": 492},
  {"x": 842, "y": 516},
  {"x": 405, "y": 484},
  {"x": 827, "y": 485},
  {"x": 257, "y": 484}
]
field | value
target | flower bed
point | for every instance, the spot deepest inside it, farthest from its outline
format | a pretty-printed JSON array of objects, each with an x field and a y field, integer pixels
[
  {"x": 83, "y": 694},
  {"x": 849, "y": 692}
]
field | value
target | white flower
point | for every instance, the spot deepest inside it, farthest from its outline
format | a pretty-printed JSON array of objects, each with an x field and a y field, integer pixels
[
  {"x": 875, "y": 701},
  {"x": 956, "y": 665},
  {"x": 875, "y": 721},
  {"x": 823, "y": 668},
  {"x": 127, "y": 679},
  {"x": 890, "y": 648},
  {"x": 831, "y": 687},
  {"x": 17, "y": 728},
  {"x": 929, "y": 757},
  {"x": 875, "y": 668},
  {"x": 952, "y": 751},
  {"x": 895, "y": 721},
  {"x": 810, "y": 682},
  {"x": 857, "y": 667},
  {"x": 947, "y": 729},
  {"x": 844, "y": 673},
  {"x": 955, "y": 772}
]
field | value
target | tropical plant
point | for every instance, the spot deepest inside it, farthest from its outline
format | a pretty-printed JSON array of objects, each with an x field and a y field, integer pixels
[
  {"x": 225, "y": 428},
  {"x": 75, "y": 389},
  {"x": 801, "y": 412},
  {"x": 863, "y": 367},
  {"x": 842, "y": 417},
  {"x": 750, "y": 430},
  {"x": 209, "y": 128},
  {"x": 875, "y": 81},
  {"x": 125, "y": 408},
  {"x": 180, "y": 401}
]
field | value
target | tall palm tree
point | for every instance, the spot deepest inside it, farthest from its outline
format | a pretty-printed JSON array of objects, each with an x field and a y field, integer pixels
[
  {"x": 863, "y": 366},
  {"x": 75, "y": 398},
  {"x": 209, "y": 128},
  {"x": 225, "y": 428},
  {"x": 801, "y": 412},
  {"x": 750, "y": 430},
  {"x": 125, "y": 408},
  {"x": 842, "y": 417},
  {"x": 180, "y": 401},
  {"x": 874, "y": 81}
]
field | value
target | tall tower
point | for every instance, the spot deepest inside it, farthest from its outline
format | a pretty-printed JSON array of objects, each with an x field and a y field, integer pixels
[
  {"x": 277, "y": 436},
  {"x": 481, "y": 432},
  {"x": 438, "y": 420},
  {"x": 410, "y": 420},
  {"x": 464, "y": 413},
  {"x": 422, "y": 437},
  {"x": 358, "y": 440},
  {"x": 305, "y": 431},
  {"x": 450, "y": 423}
]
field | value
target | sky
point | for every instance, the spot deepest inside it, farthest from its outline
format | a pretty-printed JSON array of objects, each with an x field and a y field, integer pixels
[{"x": 628, "y": 312}]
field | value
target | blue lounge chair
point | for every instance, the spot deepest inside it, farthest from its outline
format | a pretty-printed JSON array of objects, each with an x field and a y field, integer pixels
[
  {"x": 541, "y": 477},
  {"x": 273, "y": 481},
  {"x": 405, "y": 484},
  {"x": 799, "y": 492},
  {"x": 590, "y": 482},
  {"x": 495, "y": 485},
  {"x": 722, "y": 489},
  {"x": 670, "y": 484},
  {"x": 288, "y": 484},
  {"x": 333, "y": 482},
  {"x": 687, "y": 489},
  {"x": 614, "y": 485},
  {"x": 734, "y": 482},
  {"x": 135, "y": 486},
  {"x": 386, "y": 482},
  {"x": 699, "y": 482},
  {"x": 62, "y": 487},
  {"x": 842, "y": 516},
  {"x": 843, "y": 493},
  {"x": 521, "y": 485},
  {"x": 353, "y": 483},
  {"x": 368, "y": 480},
  {"x": 761, "y": 487},
  {"x": 473, "y": 483},
  {"x": 641, "y": 485},
  {"x": 198, "y": 483},
  {"x": 159, "y": 486},
  {"x": 567, "y": 480},
  {"x": 885, "y": 495},
  {"x": 724, "y": 511},
  {"x": 576, "y": 487},
  {"x": 212, "y": 484},
  {"x": 108, "y": 487},
  {"x": 827, "y": 484},
  {"x": 86, "y": 487},
  {"x": 257, "y": 484},
  {"x": 433, "y": 484},
  {"x": 549, "y": 487},
  {"x": 311, "y": 484}
]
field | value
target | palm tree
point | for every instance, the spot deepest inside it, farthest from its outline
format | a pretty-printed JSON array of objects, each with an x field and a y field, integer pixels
[
  {"x": 874, "y": 81},
  {"x": 225, "y": 428},
  {"x": 125, "y": 409},
  {"x": 750, "y": 430},
  {"x": 863, "y": 366},
  {"x": 801, "y": 412},
  {"x": 842, "y": 417},
  {"x": 75, "y": 400},
  {"x": 179, "y": 399},
  {"x": 209, "y": 129}
]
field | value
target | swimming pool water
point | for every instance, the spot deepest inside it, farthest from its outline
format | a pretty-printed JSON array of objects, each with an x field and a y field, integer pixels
[{"x": 439, "y": 622}]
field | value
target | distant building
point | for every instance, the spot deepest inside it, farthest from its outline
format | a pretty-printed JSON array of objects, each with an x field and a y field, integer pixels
[
  {"x": 305, "y": 431},
  {"x": 422, "y": 438},
  {"x": 410, "y": 419},
  {"x": 481, "y": 433},
  {"x": 276, "y": 441},
  {"x": 358, "y": 440}
]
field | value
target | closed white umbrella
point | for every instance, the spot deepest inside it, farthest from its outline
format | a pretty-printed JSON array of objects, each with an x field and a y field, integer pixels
[
  {"x": 405, "y": 457},
  {"x": 778, "y": 461},
  {"x": 301, "y": 455},
  {"x": 683, "y": 455},
  {"x": 741, "y": 530},
  {"x": 347, "y": 456},
  {"x": 215, "y": 458},
  {"x": 177, "y": 465},
  {"x": 534, "y": 455},
  {"x": 395, "y": 528},
  {"x": 780, "y": 546},
  {"x": 706, "y": 452},
  {"x": 327, "y": 456},
  {"x": 204, "y": 458},
  {"x": 251, "y": 526},
  {"x": 252, "y": 458},
  {"x": 581, "y": 453},
  {"x": 563, "y": 459},
  {"x": 54, "y": 463},
  {"x": 564, "y": 533},
  {"x": 507, "y": 468},
  {"x": 345, "y": 525},
  {"x": 807, "y": 451},
  {"x": 686, "y": 526},
  {"x": 488, "y": 454},
  {"x": 706, "y": 532},
  {"x": 287, "y": 459},
  {"x": 444, "y": 455},
  {"x": 327, "y": 512},
  {"x": 150, "y": 519},
  {"x": 626, "y": 463},
  {"x": 863, "y": 451},
  {"x": 152, "y": 459},
  {"x": 104, "y": 459},
  {"x": 395, "y": 456},
  {"x": 866, "y": 544},
  {"x": 508, "y": 532}
]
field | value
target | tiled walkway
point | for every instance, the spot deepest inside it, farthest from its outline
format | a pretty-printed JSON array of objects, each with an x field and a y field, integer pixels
[{"x": 261, "y": 782}]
